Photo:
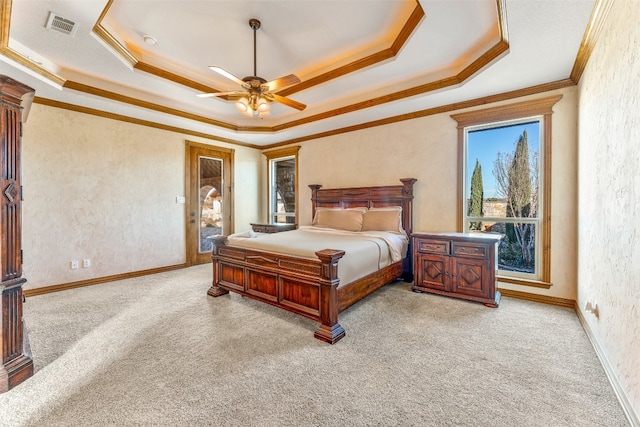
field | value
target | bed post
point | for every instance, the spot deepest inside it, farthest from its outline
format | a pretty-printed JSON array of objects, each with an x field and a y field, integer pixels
[
  {"x": 215, "y": 290},
  {"x": 330, "y": 330},
  {"x": 314, "y": 198}
]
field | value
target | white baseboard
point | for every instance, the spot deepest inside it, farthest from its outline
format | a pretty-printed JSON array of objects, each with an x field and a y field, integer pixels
[{"x": 628, "y": 410}]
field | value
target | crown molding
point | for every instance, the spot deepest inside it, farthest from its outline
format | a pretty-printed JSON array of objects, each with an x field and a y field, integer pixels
[
  {"x": 21, "y": 60},
  {"x": 383, "y": 55},
  {"x": 546, "y": 87},
  {"x": 591, "y": 35}
]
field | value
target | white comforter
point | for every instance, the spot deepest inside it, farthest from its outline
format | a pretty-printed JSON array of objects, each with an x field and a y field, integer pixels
[{"x": 365, "y": 252}]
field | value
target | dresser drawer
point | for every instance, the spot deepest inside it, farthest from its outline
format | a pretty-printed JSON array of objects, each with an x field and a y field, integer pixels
[
  {"x": 432, "y": 246},
  {"x": 470, "y": 250}
]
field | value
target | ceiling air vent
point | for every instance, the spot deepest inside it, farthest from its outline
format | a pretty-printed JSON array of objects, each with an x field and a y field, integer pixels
[{"x": 63, "y": 25}]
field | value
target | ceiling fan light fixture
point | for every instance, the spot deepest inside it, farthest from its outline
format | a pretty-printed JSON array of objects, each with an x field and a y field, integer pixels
[
  {"x": 243, "y": 105},
  {"x": 263, "y": 105}
]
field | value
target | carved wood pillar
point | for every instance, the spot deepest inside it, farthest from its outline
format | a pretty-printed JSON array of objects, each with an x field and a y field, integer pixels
[
  {"x": 15, "y": 365},
  {"x": 330, "y": 330}
]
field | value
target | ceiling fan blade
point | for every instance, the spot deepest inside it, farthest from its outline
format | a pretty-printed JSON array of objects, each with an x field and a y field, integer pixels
[
  {"x": 286, "y": 101},
  {"x": 228, "y": 75},
  {"x": 285, "y": 81},
  {"x": 211, "y": 95}
]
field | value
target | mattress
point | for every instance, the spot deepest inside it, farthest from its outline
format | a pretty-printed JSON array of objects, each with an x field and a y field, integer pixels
[{"x": 365, "y": 252}]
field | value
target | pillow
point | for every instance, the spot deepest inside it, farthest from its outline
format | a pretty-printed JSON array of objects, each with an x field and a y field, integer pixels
[
  {"x": 383, "y": 219},
  {"x": 340, "y": 219}
]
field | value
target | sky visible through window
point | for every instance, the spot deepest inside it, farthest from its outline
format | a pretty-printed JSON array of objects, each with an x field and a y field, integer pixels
[{"x": 485, "y": 144}]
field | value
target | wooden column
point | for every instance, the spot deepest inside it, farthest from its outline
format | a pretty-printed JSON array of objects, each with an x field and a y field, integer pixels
[{"x": 15, "y": 365}]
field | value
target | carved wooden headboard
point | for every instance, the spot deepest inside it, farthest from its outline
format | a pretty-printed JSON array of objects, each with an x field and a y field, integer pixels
[{"x": 369, "y": 197}]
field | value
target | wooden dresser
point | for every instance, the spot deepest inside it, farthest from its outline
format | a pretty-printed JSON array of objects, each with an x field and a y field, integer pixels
[{"x": 460, "y": 265}]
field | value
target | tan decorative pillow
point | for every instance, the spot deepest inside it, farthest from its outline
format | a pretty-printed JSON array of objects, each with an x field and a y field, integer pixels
[
  {"x": 340, "y": 219},
  {"x": 383, "y": 219}
]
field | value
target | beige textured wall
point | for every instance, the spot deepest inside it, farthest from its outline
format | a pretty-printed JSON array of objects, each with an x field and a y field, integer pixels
[
  {"x": 106, "y": 190},
  {"x": 426, "y": 149},
  {"x": 609, "y": 195}
]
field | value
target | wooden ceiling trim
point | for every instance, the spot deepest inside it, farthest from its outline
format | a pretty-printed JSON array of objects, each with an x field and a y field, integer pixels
[
  {"x": 403, "y": 36},
  {"x": 144, "y": 104},
  {"x": 423, "y": 113},
  {"x": 485, "y": 59},
  {"x": 410, "y": 25},
  {"x": 107, "y": 38},
  {"x": 127, "y": 119},
  {"x": 167, "y": 75},
  {"x": 6, "y": 51},
  {"x": 5, "y": 20},
  {"x": 408, "y": 28},
  {"x": 560, "y": 84},
  {"x": 27, "y": 63},
  {"x": 591, "y": 35},
  {"x": 476, "y": 65},
  {"x": 489, "y": 56}
]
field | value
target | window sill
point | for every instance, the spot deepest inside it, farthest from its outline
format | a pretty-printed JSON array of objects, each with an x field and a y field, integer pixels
[{"x": 524, "y": 282}]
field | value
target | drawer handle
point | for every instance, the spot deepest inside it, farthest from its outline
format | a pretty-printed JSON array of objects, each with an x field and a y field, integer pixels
[
  {"x": 474, "y": 250},
  {"x": 432, "y": 247}
]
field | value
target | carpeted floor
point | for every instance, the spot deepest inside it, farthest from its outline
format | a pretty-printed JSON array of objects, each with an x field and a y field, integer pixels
[{"x": 157, "y": 351}]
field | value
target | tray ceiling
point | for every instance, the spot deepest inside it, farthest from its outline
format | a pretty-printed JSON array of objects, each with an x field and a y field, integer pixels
[{"x": 358, "y": 61}]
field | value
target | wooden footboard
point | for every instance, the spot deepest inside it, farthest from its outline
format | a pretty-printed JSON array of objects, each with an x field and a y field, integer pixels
[{"x": 308, "y": 287}]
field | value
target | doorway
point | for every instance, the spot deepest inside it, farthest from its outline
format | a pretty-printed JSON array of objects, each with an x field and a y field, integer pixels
[{"x": 209, "y": 198}]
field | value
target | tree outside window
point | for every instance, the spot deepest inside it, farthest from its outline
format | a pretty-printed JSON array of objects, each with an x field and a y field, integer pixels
[{"x": 510, "y": 204}]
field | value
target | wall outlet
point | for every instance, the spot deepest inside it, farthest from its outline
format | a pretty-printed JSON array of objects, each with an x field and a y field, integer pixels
[
  {"x": 180, "y": 199},
  {"x": 86, "y": 263},
  {"x": 75, "y": 264}
]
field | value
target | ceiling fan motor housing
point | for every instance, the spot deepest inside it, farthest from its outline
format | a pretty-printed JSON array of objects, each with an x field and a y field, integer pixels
[{"x": 254, "y": 81}]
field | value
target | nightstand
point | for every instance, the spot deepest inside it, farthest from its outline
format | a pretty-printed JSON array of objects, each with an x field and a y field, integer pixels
[
  {"x": 460, "y": 265},
  {"x": 272, "y": 228}
]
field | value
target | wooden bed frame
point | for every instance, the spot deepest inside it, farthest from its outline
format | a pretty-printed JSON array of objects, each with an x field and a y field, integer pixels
[{"x": 306, "y": 286}]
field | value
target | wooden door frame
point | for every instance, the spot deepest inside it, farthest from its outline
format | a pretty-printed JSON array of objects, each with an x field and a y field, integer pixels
[{"x": 191, "y": 205}]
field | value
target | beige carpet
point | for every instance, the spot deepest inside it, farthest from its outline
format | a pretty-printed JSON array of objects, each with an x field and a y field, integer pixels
[{"x": 157, "y": 351}]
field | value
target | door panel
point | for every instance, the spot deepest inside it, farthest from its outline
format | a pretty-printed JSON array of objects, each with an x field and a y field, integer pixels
[
  {"x": 209, "y": 204},
  {"x": 470, "y": 276}
]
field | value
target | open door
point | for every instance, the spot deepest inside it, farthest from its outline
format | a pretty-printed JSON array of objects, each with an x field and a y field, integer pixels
[{"x": 209, "y": 200}]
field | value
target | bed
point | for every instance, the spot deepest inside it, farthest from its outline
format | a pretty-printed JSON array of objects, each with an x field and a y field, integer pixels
[{"x": 310, "y": 285}]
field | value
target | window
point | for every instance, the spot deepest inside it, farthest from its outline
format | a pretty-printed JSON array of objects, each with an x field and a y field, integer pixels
[
  {"x": 505, "y": 185},
  {"x": 283, "y": 185},
  {"x": 502, "y": 191}
]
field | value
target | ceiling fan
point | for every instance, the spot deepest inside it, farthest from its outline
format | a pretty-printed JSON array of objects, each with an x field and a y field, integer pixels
[{"x": 257, "y": 93}]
